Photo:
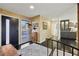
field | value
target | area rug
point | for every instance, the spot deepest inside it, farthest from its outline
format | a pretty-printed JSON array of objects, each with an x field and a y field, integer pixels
[{"x": 35, "y": 50}]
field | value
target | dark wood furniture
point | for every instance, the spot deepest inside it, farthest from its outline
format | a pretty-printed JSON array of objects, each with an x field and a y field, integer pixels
[{"x": 65, "y": 31}]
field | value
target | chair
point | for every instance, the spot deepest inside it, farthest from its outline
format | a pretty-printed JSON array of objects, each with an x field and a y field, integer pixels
[{"x": 9, "y": 50}]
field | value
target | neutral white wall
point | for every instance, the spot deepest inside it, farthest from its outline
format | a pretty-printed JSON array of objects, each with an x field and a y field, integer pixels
[
  {"x": 44, "y": 33},
  {"x": 19, "y": 34},
  {"x": 55, "y": 29},
  {"x": 70, "y": 14},
  {"x": 0, "y": 29}
]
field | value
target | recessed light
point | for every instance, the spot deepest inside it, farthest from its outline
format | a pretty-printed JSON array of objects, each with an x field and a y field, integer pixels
[{"x": 31, "y": 7}]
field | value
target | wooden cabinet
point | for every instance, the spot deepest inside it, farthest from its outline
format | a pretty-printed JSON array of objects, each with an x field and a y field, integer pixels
[{"x": 35, "y": 37}]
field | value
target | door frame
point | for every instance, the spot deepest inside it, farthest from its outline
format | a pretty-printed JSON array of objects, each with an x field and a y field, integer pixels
[
  {"x": 78, "y": 23},
  {"x": 0, "y": 30},
  {"x": 78, "y": 26},
  {"x": 18, "y": 27}
]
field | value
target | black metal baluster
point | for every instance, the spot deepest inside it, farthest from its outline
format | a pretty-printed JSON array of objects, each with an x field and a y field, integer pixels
[
  {"x": 47, "y": 47},
  {"x": 77, "y": 52},
  {"x": 63, "y": 46},
  {"x": 57, "y": 48},
  {"x": 63, "y": 50},
  {"x": 52, "y": 46},
  {"x": 72, "y": 51}
]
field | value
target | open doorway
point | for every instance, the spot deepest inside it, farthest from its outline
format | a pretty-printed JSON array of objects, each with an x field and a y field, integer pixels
[{"x": 9, "y": 31}]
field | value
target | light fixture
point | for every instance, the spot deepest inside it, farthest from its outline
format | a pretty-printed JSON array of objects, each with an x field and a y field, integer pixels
[{"x": 31, "y": 7}]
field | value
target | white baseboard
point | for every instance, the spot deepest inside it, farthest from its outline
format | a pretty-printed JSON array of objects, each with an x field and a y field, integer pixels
[
  {"x": 76, "y": 41},
  {"x": 41, "y": 41},
  {"x": 25, "y": 45}
]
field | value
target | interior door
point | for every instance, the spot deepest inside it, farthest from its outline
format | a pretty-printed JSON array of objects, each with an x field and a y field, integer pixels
[{"x": 10, "y": 31}]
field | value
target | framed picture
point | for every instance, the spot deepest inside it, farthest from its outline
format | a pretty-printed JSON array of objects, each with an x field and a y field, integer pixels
[
  {"x": 44, "y": 26},
  {"x": 71, "y": 24},
  {"x": 35, "y": 25},
  {"x": 76, "y": 25}
]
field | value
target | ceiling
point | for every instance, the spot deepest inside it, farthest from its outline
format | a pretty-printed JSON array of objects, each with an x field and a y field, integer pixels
[{"x": 44, "y": 9}]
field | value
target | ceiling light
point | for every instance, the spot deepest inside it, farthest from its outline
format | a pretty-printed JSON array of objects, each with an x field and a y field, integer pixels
[{"x": 31, "y": 7}]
